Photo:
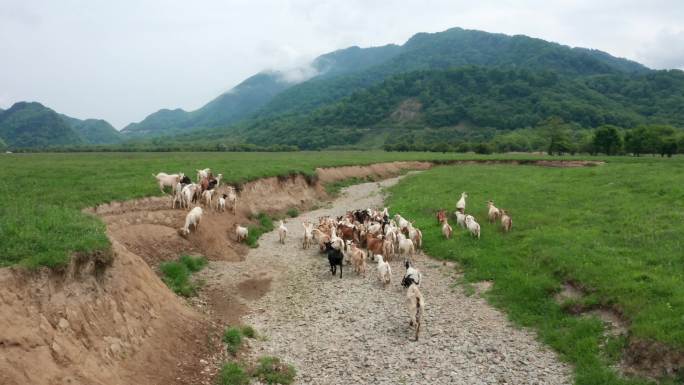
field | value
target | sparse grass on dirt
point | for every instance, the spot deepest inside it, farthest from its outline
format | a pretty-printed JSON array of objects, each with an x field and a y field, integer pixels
[
  {"x": 272, "y": 370},
  {"x": 232, "y": 337},
  {"x": 177, "y": 274},
  {"x": 232, "y": 374},
  {"x": 248, "y": 331},
  {"x": 616, "y": 230},
  {"x": 264, "y": 225},
  {"x": 333, "y": 189}
]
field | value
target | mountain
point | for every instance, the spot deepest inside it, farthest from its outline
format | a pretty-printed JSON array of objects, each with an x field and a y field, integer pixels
[
  {"x": 437, "y": 105},
  {"x": 253, "y": 93},
  {"x": 32, "y": 125},
  {"x": 455, "y": 47},
  {"x": 94, "y": 131}
]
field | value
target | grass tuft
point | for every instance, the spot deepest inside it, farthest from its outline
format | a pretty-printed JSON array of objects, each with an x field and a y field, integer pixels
[
  {"x": 293, "y": 212},
  {"x": 232, "y": 374},
  {"x": 232, "y": 337},
  {"x": 264, "y": 225},
  {"x": 248, "y": 331},
  {"x": 177, "y": 274},
  {"x": 272, "y": 371}
]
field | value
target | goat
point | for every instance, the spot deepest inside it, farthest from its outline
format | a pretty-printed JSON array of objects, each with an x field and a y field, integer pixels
[
  {"x": 308, "y": 235},
  {"x": 322, "y": 238},
  {"x": 206, "y": 197},
  {"x": 241, "y": 233},
  {"x": 473, "y": 226},
  {"x": 222, "y": 203},
  {"x": 232, "y": 198},
  {"x": 188, "y": 194},
  {"x": 177, "y": 195},
  {"x": 446, "y": 229},
  {"x": 494, "y": 213},
  {"x": 384, "y": 271},
  {"x": 461, "y": 204},
  {"x": 358, "y": 259},
  {"x": 388, "y": 249},
  {"x": 460, "y": 219},
  {"x": 374, "y": 244},
  {"x": 441, "y": 216},
  {"x": 335, "y": 258},
  {"x": 406, "y": 247},
  {"x": 165, "y": 179},
  {"x": 412, "y": 275},
  {"x": 203, "y": 174},
  {"x": 282, "y": 232},
  {"x": 415, "y": 235},
  {"x": 192, "y": 219},
  {"x": 403, "y": 223},
  {"x": 415, "y": 304},
  {"x": 506, "y": 221}
]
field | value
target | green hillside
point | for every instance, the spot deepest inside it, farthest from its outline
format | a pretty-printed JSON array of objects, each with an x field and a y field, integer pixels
[
  {"x": 94, "y": 131},
  {"x": 33, "y": 125}
]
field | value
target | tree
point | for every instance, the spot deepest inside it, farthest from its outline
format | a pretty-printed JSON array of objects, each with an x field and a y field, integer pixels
[
  {"x": 559, "y": 137},
  {"x": 483, "y": 148},
  {"x": 635, "y": 141},
  {"x": 608, "y": 140},
  {"x": 668, "y": 146}
]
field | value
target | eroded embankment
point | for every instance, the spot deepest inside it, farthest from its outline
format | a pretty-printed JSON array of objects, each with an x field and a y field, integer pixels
[{"x": 114, "y": 321}]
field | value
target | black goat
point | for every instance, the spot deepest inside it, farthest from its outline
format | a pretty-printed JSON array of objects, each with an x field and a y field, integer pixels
[
  {"x": 335, "y": 258},
  {"x": 185, "y": 180}
]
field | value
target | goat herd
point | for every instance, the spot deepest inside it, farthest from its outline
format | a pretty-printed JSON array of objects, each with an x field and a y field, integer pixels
[
  {"x": 352, "y": 239},
  {"x": 185, "y": 194}
]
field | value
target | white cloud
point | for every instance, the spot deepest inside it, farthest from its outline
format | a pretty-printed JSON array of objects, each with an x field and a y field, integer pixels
[{"x": 666, "y": 50}]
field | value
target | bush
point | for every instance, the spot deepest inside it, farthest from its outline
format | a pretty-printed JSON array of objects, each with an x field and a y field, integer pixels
[
  {"x": 233, "y": 339},
  {"x": 272, "y": 371},
  {"x": 293, "y": 212},
  {"x": 232, "y": 374},
  {"x": 265, "y": 225},
  {"x": 176, "y": 274},
  {"x": 248, "y": 331},
  {"x": 194, "y": 264}
]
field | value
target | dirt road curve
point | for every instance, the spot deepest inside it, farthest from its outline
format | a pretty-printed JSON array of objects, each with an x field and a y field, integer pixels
[{"x": 351, "y": 330}]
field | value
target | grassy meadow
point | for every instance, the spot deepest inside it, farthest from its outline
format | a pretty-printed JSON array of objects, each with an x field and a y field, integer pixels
[
  {"x": 41, "y": 223},
  {"x": 614, "y": 230}
]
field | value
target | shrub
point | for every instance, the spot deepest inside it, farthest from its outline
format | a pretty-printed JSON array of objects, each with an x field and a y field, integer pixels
[
  {"x": 232, "y": 374},
  {"x": 177, "y": 277},
  {"x": 272, "y": 371},
  {"x": 293, "y": 212},
  {"x": 265, "y": 225},
  {"x": 194, "y": 264},
  {"x": 248, "y": 331},
  {"x": 233, "y": 339}
]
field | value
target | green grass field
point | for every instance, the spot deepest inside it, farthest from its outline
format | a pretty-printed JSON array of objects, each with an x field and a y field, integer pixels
[
  {"x": 41, "y": 223},
  {"x": 615, "y": 230}
]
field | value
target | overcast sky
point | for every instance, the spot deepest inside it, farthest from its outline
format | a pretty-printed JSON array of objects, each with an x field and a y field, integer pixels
[{"x": 122, "y": 60}]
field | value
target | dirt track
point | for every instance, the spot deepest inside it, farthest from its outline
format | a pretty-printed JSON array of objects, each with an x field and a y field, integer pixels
[{"x": 351, "y": 330}]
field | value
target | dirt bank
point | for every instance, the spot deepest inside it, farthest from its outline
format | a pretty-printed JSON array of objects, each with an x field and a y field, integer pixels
[
  {"x": 118, "y": 325},
  {"x": 116, "y": 322}
]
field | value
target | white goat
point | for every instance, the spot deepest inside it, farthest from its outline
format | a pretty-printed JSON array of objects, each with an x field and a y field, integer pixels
[
  {"x": 206, "y": 197},
  {"x": 494, "y": 213},
  {"x": 188, "y": 193},
  {"x": 232, "y": 198},
  {"x": 165, "y": 179},
  {"x": 384, "y": 271},
  {"x": 446, "y": 229},
  {"x": 282, "y": 232},
  {"x": 308, "y": 235},
  {"x": 415, "y": 235},
  {"x": 473, "y": 226},
  {"x": 193, "y": 218},
  {"x": 201, "y": 174},
  {"x": 405, "y": 246},
  {"x": 222, "y": 203},
  {"x": 412, "y": 275},
  {"x": 460, "y": 219},
  {"x": 401, "y": 222},
  {"x": 461, "y": 204},
  {"x": 506, "y": 221},
  {"x": 241, "y": 233},
  {"x": 415, "y": 304}
]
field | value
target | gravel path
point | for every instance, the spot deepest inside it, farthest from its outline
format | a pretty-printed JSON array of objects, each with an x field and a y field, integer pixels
[{"x": 351, "y": 330}]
